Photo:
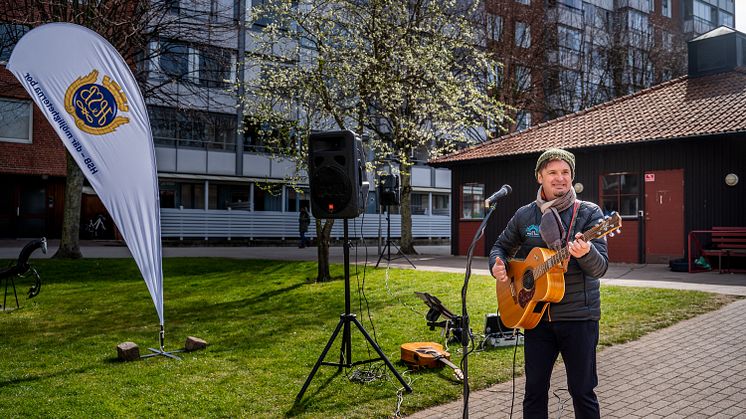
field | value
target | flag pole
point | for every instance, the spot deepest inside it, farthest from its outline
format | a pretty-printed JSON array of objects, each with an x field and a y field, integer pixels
[{"x": 162, "y": 351}]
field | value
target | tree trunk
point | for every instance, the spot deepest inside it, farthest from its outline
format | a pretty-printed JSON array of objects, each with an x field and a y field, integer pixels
[
  {"x": 323, "y": 234},
  {"x": 70, "y": 241},
  {"x": 405, "y": 208}
]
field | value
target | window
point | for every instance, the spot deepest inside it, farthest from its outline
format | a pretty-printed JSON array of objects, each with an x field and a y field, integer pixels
[
  {"x": 172, "y": 6},
  {"x": 174, "y": 59},
  {"x": 569, "y": 38},
  {"x": 441, "y": 204},
  {"x": 297, "y": 199},
  {"x": 419, "y": 203},
  {"x": 651, "y": 5},
  {"x": 262, "y": 20},
  {"x": 620, "y": 192},
  {"x": 191, "y": 195},
  {"x": 15, "y": 121},
  {"x": 233, "y": 196},
  {"x": 192, "y": 128},
  {"x": 10, "y": 34},
  {"x": 526, "y": 2},
  {"x": 597, "y": 17},
  {"x": 495, "y": 77},
  {"x": 522, "y": 78},
  {"x": 494, "y": 26},
  {"x": 571, "y": 88},
  {"x": 167, "y": 194},
  {"x": 215, "y": 67},
  {"x": 266, "y": 137},
  {"x": 575, "y": 4},
  {"x": 522, "y": 120},
  {"x": 267, "y": 197},
  {"x": 726, "y": 19},
  {"x": 472, "y": 198},
  {"x": 637, "y": 22},
  {"x": 667, "y": 40},
  {"x": 666, "y": 8},
  {"x": 702, "y": 10},
  {"x": 522, "y": 35}
]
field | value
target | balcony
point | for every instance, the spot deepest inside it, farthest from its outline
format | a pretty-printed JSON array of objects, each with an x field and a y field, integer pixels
[
  {"x": 566, "y": 15},
  {"x": 641, "y": 5},
  {"x": 697, "y": 26}
]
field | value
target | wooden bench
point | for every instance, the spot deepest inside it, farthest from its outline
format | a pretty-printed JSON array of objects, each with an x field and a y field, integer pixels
[{"x": 726, "y": 242}]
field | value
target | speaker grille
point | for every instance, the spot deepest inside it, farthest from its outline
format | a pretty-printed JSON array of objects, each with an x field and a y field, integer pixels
[{"x": 331, "y": 189}]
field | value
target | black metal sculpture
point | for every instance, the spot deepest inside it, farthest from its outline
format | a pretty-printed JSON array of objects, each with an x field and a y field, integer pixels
[{"x": 22, "y": 268}]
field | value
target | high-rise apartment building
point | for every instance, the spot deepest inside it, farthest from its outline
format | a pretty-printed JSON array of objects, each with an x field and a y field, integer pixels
[{"x": 561, "y": 56}]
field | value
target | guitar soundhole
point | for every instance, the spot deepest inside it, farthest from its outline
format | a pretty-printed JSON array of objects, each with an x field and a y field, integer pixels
[
  {"x": 524, "y": 297},
  {"x": 528, "y": 280}
]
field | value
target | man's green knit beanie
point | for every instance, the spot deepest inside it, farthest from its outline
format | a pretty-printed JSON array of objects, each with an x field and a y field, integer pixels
[{"x": 556, "y": 154}]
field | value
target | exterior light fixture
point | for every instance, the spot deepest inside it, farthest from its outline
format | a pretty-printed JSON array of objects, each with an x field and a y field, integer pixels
[
  {"x": 731, "y": 179},
  {"x": 578, "y": 187}
]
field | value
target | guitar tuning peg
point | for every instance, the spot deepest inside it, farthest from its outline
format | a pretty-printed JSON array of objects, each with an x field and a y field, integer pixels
[
  {"x": 611, "y": 234},
  {"x": 619, "y": 231}
]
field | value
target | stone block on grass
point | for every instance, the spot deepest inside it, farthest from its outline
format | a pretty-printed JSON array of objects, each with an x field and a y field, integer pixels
[
  {"x": 128, "y": 351},
  {"x": 194, "y": 344}
]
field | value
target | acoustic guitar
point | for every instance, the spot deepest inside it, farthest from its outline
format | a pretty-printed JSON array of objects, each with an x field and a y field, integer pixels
[
  {"x": 539, "y": 279},
  {"x": 428, "y": 355}
]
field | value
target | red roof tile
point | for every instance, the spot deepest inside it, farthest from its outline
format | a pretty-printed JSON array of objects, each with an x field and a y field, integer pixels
[{"x": 683, "y": 107}]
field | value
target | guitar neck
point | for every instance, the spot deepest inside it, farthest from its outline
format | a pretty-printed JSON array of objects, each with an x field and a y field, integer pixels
[
  {"x": 456, "y": 369},
  {"x": 561, "y": 255}
]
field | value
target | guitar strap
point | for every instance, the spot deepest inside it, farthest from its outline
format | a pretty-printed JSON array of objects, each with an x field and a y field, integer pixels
[{"x": 570, "y": 231}]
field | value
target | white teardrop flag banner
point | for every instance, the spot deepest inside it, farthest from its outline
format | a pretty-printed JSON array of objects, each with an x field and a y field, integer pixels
[{"x": 90, "y": 97}]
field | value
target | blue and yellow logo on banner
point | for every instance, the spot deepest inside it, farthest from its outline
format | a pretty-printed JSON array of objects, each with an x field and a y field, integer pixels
[{"x": 95, "y": 106}]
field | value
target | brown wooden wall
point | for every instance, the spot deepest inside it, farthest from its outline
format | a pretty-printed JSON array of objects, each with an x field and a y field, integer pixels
[{"x": 708, "y": 201}]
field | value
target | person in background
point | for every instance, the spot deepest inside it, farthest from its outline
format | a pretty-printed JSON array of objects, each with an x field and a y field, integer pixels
[{"x": 304, "y": 220}]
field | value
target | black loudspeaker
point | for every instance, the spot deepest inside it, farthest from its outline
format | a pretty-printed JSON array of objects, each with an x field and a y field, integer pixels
[
  {"x": 336, "y": 173},
  {"x": 388, "y": 190}
]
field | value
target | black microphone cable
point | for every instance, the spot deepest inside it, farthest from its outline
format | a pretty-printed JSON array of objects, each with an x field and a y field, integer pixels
[{"x": 466, "y": 335}]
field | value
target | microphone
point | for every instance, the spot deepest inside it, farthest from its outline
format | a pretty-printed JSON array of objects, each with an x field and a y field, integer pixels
[{"x": 504, "y": 191}]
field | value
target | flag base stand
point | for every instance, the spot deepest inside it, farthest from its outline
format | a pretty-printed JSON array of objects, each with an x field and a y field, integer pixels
[{"x": 162, "y": 351}]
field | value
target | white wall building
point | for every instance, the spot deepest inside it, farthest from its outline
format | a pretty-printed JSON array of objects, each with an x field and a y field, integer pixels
[{"x": 215, "y": 184}]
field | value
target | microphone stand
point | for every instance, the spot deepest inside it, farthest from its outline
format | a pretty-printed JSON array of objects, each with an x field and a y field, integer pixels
[{"x": 466, "y": 336}]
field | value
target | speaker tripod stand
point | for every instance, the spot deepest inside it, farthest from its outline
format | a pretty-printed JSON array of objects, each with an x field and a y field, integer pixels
[
  {"x": 345, "y": 353},
  {"x": 387, "y": 248}
]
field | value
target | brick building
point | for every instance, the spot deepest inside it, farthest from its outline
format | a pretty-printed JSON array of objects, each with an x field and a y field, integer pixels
[{"x": 32, "y": 166}]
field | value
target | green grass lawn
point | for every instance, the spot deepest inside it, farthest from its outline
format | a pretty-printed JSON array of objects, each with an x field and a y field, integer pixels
[{"x": 266, "y": 324}]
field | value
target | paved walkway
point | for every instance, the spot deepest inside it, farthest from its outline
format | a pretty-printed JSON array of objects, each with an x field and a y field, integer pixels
[{"x": 694, "y": 369}]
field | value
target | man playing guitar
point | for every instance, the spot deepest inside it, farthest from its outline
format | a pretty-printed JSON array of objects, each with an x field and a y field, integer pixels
[{"x": 570, "y": 327}]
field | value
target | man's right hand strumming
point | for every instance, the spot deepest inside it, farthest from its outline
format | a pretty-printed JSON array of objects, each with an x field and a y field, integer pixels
[{"x": 499, "y": 271}]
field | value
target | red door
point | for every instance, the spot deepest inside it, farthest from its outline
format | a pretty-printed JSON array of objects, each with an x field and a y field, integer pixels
[{"x": 664, "y": 215}]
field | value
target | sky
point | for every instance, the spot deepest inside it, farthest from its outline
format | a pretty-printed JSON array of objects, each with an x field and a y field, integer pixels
[{"x": 741, "y": 15}]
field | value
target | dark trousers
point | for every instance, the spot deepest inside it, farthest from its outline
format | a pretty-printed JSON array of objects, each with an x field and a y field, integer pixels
[{"x": 576, "y": 341}]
